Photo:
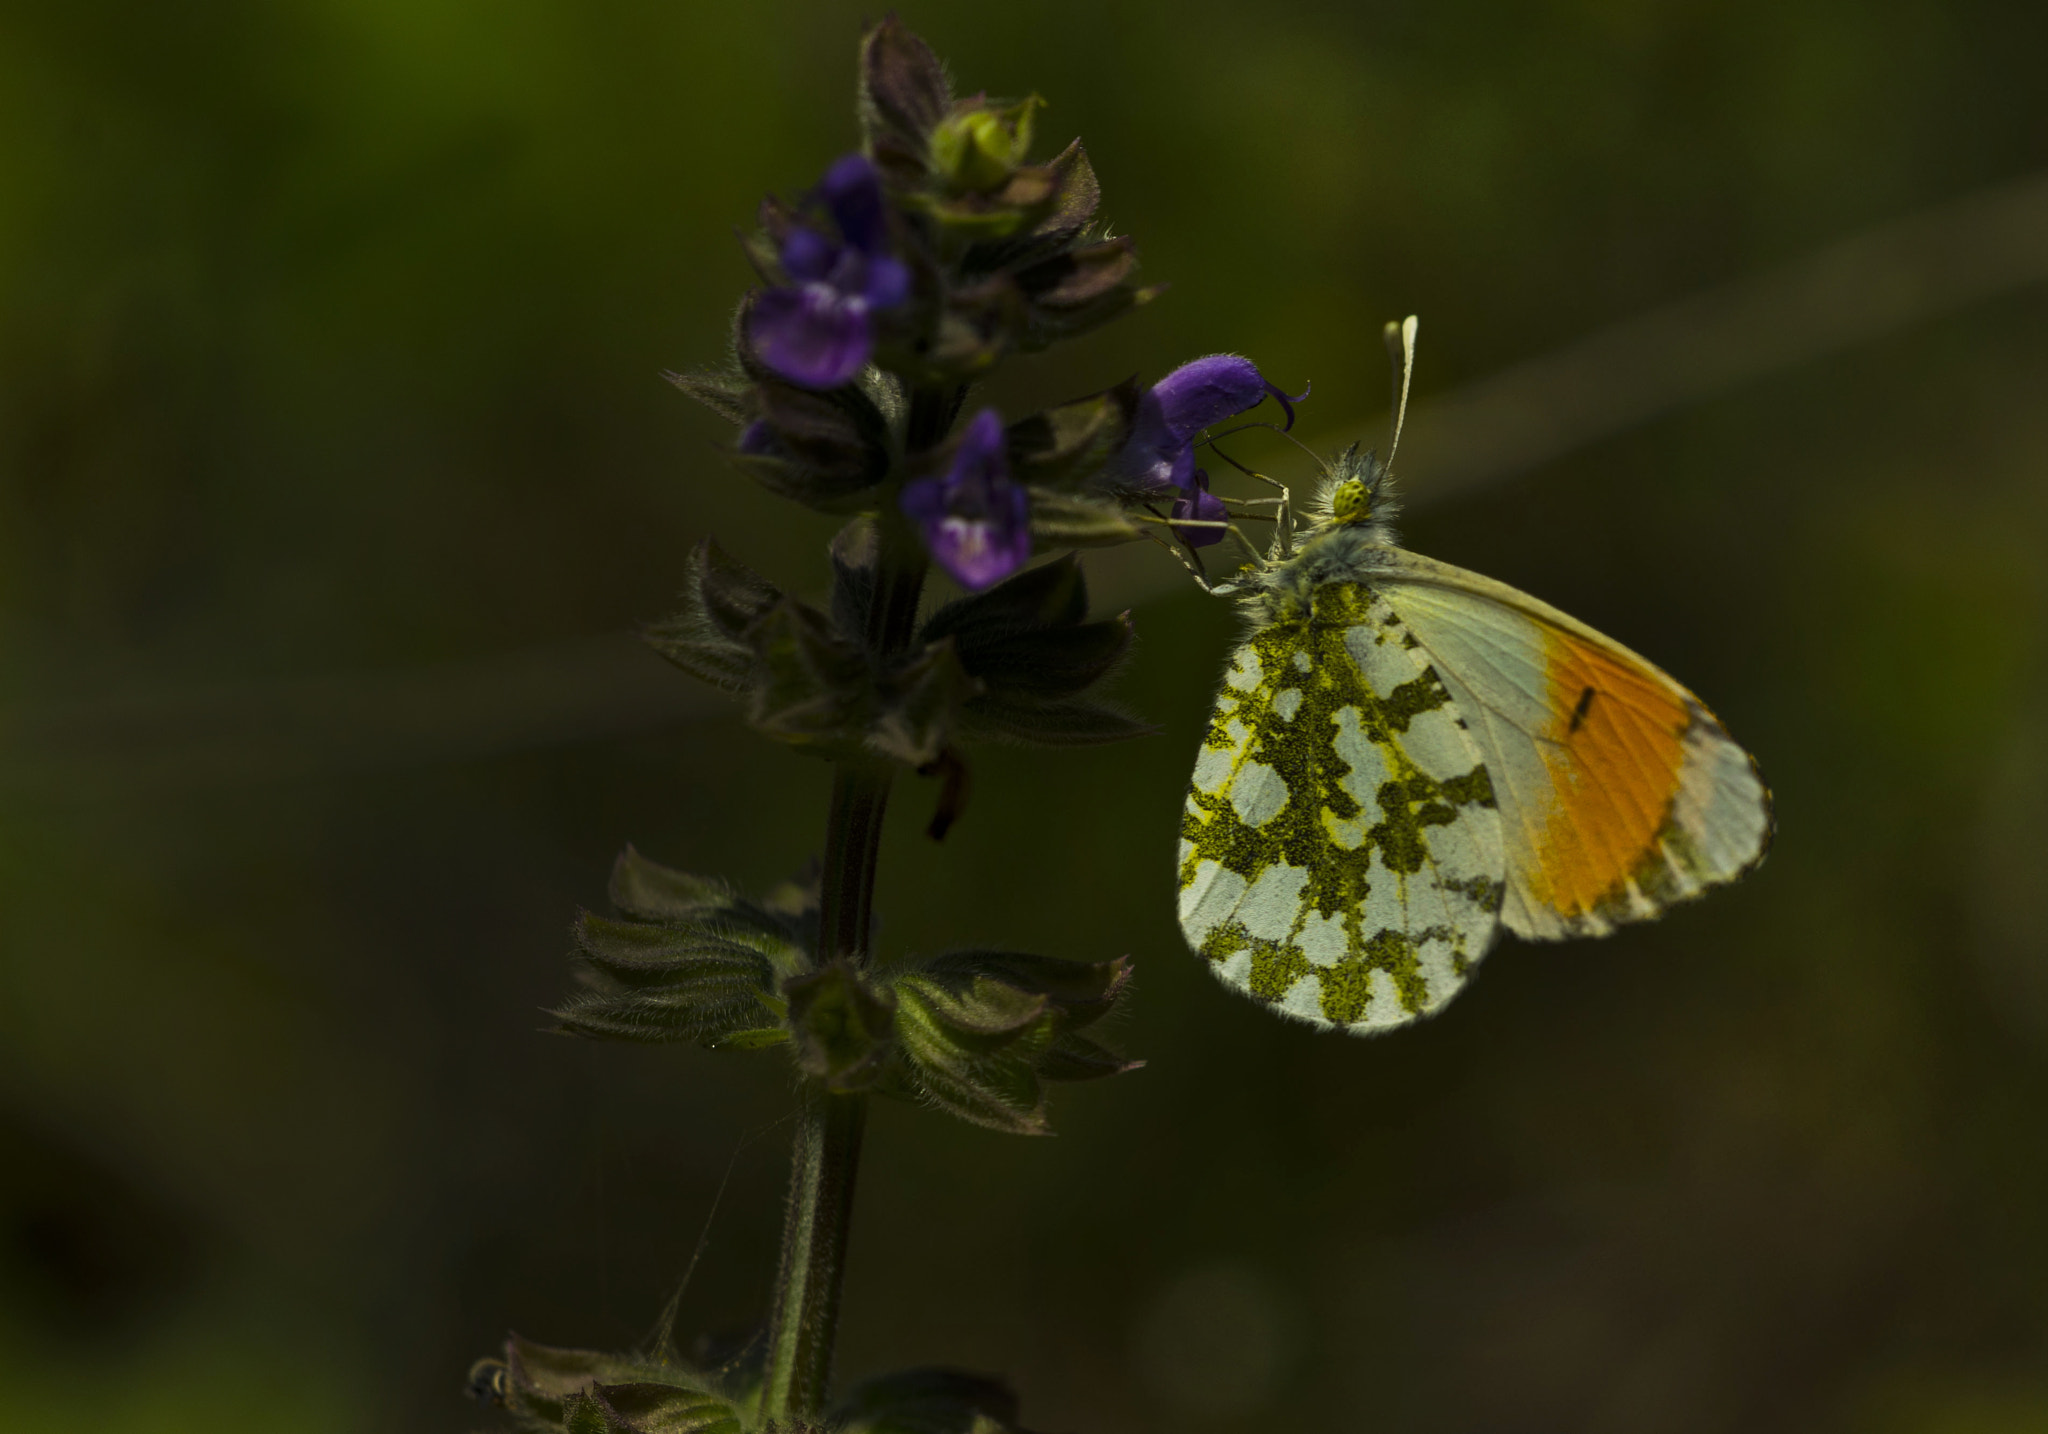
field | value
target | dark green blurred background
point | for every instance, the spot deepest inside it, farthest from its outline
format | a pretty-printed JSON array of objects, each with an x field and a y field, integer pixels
[{"x": 336, "y": 468}]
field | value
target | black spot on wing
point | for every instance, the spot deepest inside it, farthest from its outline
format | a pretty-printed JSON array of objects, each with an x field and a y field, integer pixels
[{"x": 1579, "y": 712}]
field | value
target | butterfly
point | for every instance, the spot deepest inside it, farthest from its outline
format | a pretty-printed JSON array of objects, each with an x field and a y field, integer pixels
[{"x": 1407, "y": 758}]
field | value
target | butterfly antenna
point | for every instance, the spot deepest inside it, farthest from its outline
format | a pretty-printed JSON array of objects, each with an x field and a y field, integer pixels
[
  {"x": 1283, "y": 523},
  {"x": 1401, "y": 353},
  {"x": 1210, "y": 441}
]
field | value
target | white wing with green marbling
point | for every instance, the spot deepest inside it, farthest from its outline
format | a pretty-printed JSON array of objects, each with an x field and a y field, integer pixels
[{"x": 1340, "y": 856}]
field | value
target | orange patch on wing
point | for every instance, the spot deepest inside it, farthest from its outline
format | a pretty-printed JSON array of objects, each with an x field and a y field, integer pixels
[{"x": 1614, "y": 749}]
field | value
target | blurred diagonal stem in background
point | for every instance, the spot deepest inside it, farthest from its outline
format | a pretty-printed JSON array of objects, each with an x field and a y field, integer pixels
[{"x": 121, "y": 734}]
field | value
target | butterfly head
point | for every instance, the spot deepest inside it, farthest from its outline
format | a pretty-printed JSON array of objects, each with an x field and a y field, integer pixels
[
  {"x": 1359, "y": 491},
  {"x": 1351, "y": 502}
]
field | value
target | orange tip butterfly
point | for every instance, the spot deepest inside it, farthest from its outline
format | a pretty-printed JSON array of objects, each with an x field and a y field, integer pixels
[{"x": 1407, "y": 757}]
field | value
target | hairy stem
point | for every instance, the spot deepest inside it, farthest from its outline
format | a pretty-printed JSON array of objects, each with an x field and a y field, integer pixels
[{"x": 805, "y": 1325}]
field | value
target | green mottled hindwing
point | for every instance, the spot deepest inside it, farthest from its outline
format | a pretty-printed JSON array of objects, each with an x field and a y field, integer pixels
[{"x": 1340, "y": 856}]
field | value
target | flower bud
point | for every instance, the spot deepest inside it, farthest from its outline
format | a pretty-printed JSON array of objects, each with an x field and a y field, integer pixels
[{"x": 977, "y": 148}]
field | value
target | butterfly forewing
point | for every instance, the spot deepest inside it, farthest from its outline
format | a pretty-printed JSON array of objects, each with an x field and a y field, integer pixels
[
  {"x": 1618, "y": 791},
  {"x": 1341, "y": 857}
]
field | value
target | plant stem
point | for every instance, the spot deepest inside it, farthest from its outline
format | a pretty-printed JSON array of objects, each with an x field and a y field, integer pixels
[
  {"x": 805, "y": 1325},
  {"x": 822, "y": 1170}
]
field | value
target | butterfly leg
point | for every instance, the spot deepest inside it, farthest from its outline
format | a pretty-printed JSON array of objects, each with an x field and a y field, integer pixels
[
  {"x": 1186, "y": 557},
  {"x": 1283, "y": 517}
]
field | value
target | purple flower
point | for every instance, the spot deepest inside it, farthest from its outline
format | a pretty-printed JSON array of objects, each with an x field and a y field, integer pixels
[
  {"x": 975, "y": 520},
  {"x": 1200, "y": 504},
  {"x": 1158, "y": 459},
  {"x": 1160, "y": 454},
  {"x": 817, "y": 331}
]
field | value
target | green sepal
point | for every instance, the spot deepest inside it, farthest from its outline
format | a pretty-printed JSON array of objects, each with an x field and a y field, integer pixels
[
  {"x": 852, "y": 553},
  {"x": 1084, "y": 991},
  {"x": 646, "y": 1407},
  {"x": 1027, "y": 644},
  {"x": 982, "y": 1015},
  {"x": 754, "y": 1040},
  {"x": 584, "y": 1391},
  {"x": 980, "y": 1032},
  {"x": 1062, "y": 519},
  {"x": 1079, "y": 289},
  {"x": 1050, "y": 595},
  {"x": 724, "y": 394},
  {"x": 541, "y": 1380},
  {"x": 840, "y": 1027},
  {"x": 903, "y": 96},
  {"x": 1075, "y": 1058},
  {"x": 978, "y": 217},
  {"x": 654, "y": 892},
  {"x": 723, "y": 600},
  {"x": 979, "y": 146},
  {"x": 928, "y": 1401},
  {"x": 1081, "y": 275},
  {"x": 983, "y": 1079},
  {"x": 922, "y": 704},
  {"x": 698, "y": 963},
  {"x": 1062, "y": 447},
  {"x": 828, "y": 450},
  {"x": 974, "y": 328},
  {"x": 1067, "y": 722},
  {"x": 1076, "y": 193},
  {"x": 1053, "y": 661},
  {"x": 583, "y": 1415},
  {"x": 809, "y": 684}
]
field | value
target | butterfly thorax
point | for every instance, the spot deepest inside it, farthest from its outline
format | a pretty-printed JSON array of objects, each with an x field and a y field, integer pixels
[
  {"x": 1347, "y": 541},
  {"x": 1335, "y": 556}
]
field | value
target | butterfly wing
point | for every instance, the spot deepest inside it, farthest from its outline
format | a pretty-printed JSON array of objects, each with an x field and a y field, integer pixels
[
  {"x": 1340, "y": 855},
  {"x": 1619, "y": 793}
]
